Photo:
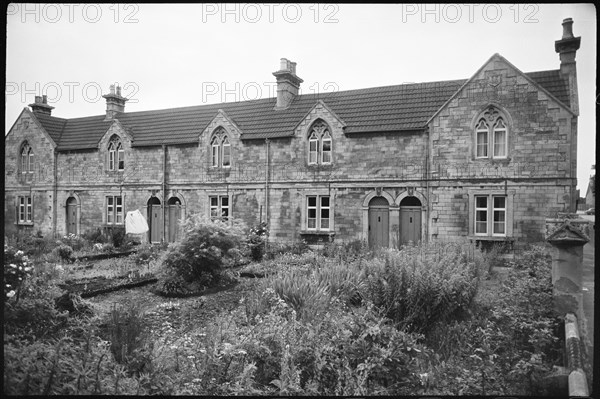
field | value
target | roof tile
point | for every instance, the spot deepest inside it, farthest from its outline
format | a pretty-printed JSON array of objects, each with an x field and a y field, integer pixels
[{"x": 376, "y": 109}]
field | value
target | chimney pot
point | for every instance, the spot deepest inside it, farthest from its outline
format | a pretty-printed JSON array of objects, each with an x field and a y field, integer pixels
[
  {"x": 288, "y": 83},
  {"x": 38, "y": 99},
  {"x": 284, "y": 64},
  {"x": 115, "y": 103},
  {"x": 45, "y": 99},
  {"x": 567, "y": 28}
]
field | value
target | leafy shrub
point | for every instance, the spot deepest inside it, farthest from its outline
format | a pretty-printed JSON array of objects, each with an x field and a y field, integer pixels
[
  {"x": 64, "y": 252},
  {"x": 75, "y": 242},
  {"x": 419, "y": 285},
  {"x": 509, "y": 338},
  {"x": 95, "y": 236},
  {"x": 276, "y": 249},
  {"x": 17, "y": 269},
  {"x": 148, "y": 253},
  {"x": 118, "y": 237},
  {"x": 348, "y": 250},
  {"x": 129, "y": 338},
  {"x": 256, "y": 241},
  {"x": 206, "y": 248},
  {"x": 33, "y": 245},
  {"x": 34, "y": 315}
]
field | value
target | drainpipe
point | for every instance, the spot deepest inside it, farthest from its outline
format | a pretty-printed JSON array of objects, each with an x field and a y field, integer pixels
[
  {"x": 164, "y": 184},
  {"x": 267, "y": 189},
  {"x": 55, "y": 193},
  {"x": 428, "y": 210}
]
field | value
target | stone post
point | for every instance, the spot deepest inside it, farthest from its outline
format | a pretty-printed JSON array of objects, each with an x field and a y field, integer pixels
[{"x": 567, "y": 237}]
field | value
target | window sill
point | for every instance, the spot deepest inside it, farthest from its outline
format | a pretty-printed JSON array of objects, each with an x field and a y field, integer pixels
[
  {"x": 494, "y": 160},
  {"x": 320, "y": 166},
  {"x": 317, "y": 232},
  {"x": 26, "y": 224},
  {"x": 490, "y": 238}
]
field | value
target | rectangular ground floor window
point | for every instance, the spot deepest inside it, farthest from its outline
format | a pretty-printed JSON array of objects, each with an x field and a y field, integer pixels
[
  {"x": 24, "y": 209},
  {"x": 490, "y": 215},
  {"x": 219, "y": 207},
  {"x": 318, "y": 212},
  {"x": 114, "y": 209}
]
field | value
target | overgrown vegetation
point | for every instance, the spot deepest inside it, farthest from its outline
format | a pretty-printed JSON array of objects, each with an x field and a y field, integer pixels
[{"x": 344, "y": 320}]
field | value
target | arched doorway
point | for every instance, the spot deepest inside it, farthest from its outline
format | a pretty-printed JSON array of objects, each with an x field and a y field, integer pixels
[
  {"x": 379, "y": 221},
  {"x": 410, "y": 220},
  {"x": 71, "y": 210},
  {"x": 154, "y": 220},
  {"x": 174, "y": 218}
]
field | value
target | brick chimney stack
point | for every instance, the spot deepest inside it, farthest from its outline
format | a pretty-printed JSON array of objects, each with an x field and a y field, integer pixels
[
  {"x": 115, "y": 103},
  {"x": 41, "y": 105},
  {"x": 567, "y": 48},
  {"x": 288, "y": 83}
]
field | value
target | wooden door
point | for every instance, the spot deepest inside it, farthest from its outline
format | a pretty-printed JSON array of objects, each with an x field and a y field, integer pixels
[
  {"x": 410, "y": 224},
  {"x": 379, "y": 222},
  {"x": 72, "y": 216},
  {"x": 174, "y": 216},
  {"x": 155, "y": 225}
]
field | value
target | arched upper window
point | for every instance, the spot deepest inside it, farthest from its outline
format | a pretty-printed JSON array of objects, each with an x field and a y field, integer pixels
[
  {"x": 116, "y": 154},
  {"x": 27, "y": 158},
  {"x": 491, "y": 135},
  {"x": 220, "y": 149},
  {"x": 320, "y": 144}
]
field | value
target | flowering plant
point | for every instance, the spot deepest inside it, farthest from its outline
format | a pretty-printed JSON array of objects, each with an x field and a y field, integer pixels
[{"x": 17, "y": 268}]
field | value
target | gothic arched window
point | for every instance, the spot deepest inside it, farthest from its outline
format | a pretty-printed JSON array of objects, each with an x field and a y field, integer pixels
[
  {"x": 116, "y": 154},
  {"x": 491, "y": 135},
  {"x": 27, "y": 158},
  {"x": 220, "y": 149},
  {"x": 320, "y": 144}
]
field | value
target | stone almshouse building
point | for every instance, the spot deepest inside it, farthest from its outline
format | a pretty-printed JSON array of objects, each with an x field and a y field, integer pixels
[{"x": 486, "y": 158}]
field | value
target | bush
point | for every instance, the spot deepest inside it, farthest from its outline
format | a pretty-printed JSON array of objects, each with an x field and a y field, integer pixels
[
  {"x": 17, "y": 269},
  {"x": 148, "y": 253},
  {"x": 128, "y": 337},
  {"x": 75, "y": 242},
  {"x": 256, "y": 241},
  {"x": 95, "y": 236},
  {"x": 64, "y": 252},
  {"x": 118, "y": 237},
  {"x": 35, "y": 314},
  {"x": 420, "y": 285},
  {"x": 275, "y": 249},
  {"x": 206, "y": 248}
]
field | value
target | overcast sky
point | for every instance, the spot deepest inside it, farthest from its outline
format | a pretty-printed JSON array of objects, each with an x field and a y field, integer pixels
[{"x": 168, "y": 56}]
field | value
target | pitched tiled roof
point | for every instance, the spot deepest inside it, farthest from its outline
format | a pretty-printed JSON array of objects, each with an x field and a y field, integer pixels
[
  {"x": 378, "y": 109},
  {"x": 554, "y": 83},
  {"x": 54, "y": 126}
]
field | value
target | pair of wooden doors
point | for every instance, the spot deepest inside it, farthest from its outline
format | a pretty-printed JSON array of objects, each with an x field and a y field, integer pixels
[
  {"x": 155, "y": 219},
  {"x": 379, "y": 221}
]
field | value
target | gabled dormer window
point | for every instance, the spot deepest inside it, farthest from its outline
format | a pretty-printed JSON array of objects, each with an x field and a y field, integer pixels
[
  {"x": 320, "y": 145},
  {"x": 27, "y": 158},
  {"x": 220, "y": 149},
  {"x": 491, "y": 135},
  {"x": 116, "y": 154}
]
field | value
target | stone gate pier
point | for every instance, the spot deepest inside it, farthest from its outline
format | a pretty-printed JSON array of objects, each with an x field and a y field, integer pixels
[{"x": 568, "y": 235}]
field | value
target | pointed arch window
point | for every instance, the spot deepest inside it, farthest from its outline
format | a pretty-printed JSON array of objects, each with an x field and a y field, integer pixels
[
  {"x": 220, "y": 149},
  {"x": 500, "y": 139},
  {"x": 491, "y": 135},
  {"x": 27, "y": 158},
  {"x": 320, "y": 145},
  {"x": 116, "y": 154},
  {"x": 482, "y": 139}
]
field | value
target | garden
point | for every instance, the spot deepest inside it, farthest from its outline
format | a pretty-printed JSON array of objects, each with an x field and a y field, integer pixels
[{"x": 221, "y": 313}]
